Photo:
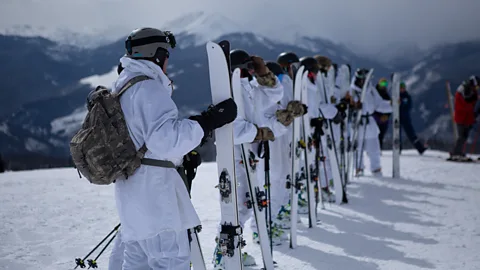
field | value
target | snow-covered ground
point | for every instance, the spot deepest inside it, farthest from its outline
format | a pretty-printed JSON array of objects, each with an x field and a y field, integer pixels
[{"x": 428, "y": 219}]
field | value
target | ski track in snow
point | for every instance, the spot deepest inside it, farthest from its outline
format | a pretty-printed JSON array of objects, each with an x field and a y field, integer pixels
[{"x": 427, "y": 219}]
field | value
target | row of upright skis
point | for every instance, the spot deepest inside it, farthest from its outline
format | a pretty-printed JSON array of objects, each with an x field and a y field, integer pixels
[{"x": 306, "y": 154}]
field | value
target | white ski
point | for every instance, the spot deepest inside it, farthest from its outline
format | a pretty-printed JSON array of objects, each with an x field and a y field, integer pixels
[
  {"x": 332, "y": 153},
  {"x": 344, "y": 70},
  {"x": 230, "y": 239},
  {"x": 256, "y": 195},
  {"x": 396, "y": 125},
  {"x": 356, "y": 124},
  {"x": 196, "y": 257},
  {"x": 309, "y": 157},
  {"x": 296, "y": 150}
]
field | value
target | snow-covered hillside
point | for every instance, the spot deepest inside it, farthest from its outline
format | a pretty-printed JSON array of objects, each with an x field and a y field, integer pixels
[{"x": 428, "y": 219}]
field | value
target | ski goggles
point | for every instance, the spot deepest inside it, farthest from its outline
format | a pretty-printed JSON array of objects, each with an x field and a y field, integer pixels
[
  {"x": 383, "y": 84},
  {"x": 247, "y": 65}
]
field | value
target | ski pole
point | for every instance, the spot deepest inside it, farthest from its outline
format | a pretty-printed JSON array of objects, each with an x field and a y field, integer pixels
[
  {"x": 81, "y": 262},
  {"x": 93, "y": 263},
  {"x": 267, "y": 185},
  {"x": 323, "y": 159},
  {"x": 363, "y": 141},
  {"x": 317, "y": 142}
]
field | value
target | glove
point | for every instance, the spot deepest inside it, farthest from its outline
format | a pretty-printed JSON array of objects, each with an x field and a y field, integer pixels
[
  {"x": 216, "y": 116},
  {"x": 284, "y": 116},
  {"x": 264, "y": 134},
  {"x": 339, "y": 117},
  {"x": 191, "y": 161},
  {"x": 259, "y": 65},
  {"x": 316, "y": 122},
  {"x": 264, "y": 76},
  {"x": 297, "y": 108}
]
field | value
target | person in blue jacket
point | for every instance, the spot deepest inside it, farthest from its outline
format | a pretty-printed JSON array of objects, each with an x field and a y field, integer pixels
[{"x": 406, "y": 120}]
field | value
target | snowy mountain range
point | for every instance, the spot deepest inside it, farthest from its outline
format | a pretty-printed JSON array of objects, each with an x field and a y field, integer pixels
[{"x": 46, "y": 82}]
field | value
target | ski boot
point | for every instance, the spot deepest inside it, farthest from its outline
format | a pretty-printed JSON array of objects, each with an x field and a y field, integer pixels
[
  {"x": 278, "y": 236},
  {"x": 377, "y": 172},
  {"x": 218, "y": 264},
  {"x": 283, "y": 218},
  {"x": 459, "y": 158},
  {"x": 248, "y": 260},
  {"x": 327, "y": 195},
  {"x": 331, "y": 183},
  {"x": 302, "y": 205}
]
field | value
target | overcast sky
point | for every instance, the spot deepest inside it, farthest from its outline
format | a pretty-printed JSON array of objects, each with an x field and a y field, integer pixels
[{"x": 366, "y": 23}]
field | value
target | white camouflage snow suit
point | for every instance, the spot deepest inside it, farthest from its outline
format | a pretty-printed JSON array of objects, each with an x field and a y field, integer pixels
[
  {"x": 153, "y": 204},
  {"x": 368, "y": 130}
]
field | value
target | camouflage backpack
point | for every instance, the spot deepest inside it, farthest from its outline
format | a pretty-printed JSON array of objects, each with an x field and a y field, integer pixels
[{"x": 102, "y": 149}]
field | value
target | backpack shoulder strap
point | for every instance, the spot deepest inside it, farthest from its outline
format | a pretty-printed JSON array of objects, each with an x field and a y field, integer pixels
[
  {"x": 141, "y": 152},
  {"x": 131, "y": 82}
]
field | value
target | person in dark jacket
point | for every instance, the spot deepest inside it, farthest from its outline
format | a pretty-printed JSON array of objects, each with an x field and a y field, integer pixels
[
  {"x": 465, "y": 101},
  {"x": 382, "y": 118},
  {"x": 2, "y": 165},
  {"x": 406, "y": 120}
]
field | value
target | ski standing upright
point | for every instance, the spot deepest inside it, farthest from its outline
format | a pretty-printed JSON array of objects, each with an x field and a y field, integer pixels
[
  {"x": 356, "y": 126},
  {"x": 340, "y": 192},
  {"x": 256, "y": 197},
  {"x": 296, "y": 149},
  {"x": 396, "y": 125},
  {"x": 231, "y": 235},
  {"x": 309, "y": 157}
]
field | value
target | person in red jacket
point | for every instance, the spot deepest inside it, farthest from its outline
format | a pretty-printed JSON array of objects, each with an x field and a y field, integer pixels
[{"x": 465, "y": 100}]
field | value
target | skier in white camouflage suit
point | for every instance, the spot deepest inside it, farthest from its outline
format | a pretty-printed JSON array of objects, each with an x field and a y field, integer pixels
[
  {"x": 262, "y": 91},
  {"x": 280, "y": 155},
  {"x": 154, "y": 204},
  {"x": 285, "y": 60},
  {"x": 320, "y": 111},
  {"x": 368, "y": 130}
]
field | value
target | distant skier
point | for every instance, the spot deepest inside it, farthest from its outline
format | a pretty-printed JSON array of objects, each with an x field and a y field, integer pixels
[
  {"x": 368, "y": 130},
  {"x": 153, "y": 204},
  {"x": 465, "y": 101},
  {"x": 406, "y": 120},
  {"x": 2, "y": 165},
  {"x": 382, "y": 118}
]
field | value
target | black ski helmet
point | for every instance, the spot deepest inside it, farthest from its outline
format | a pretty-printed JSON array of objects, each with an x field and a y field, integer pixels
[
  {"x": 275, "y": 68},
  {"x": 149, "y": 44},
  {"x": 310, "y": 64},
  {"x": 360, "y": 76},
  {"x": 240, "y": 59},
  {"x": 361, "y": 73},
  {"x": 285, "y": 59}
]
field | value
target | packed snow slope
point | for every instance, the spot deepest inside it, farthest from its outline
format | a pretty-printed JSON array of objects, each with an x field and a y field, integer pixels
[{"x": 428, "y": 219}]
